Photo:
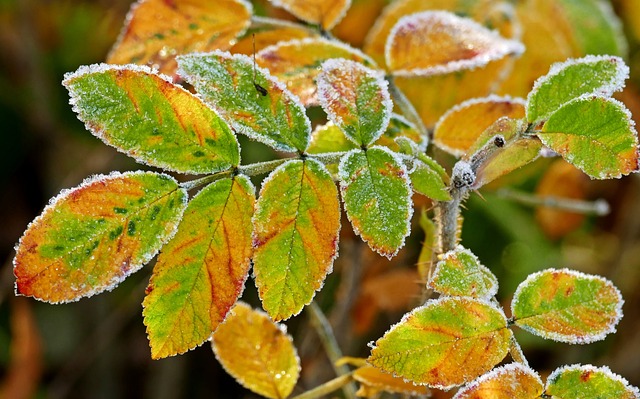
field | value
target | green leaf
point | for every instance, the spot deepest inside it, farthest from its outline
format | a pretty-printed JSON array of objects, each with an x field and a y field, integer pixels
[
  {"x": 512, "y": 381},
  {"x": 460, "y": 273},
  {"x": 356, "y": 99},
  {"x": 427, "y": 179},
  {"x": 377, "y": 198},
  {"x": 248, "y": 98},
  {"x": 295, "y": 237},
  {"x": 257, "y": 352},
  {"x": 90, "y": 238},
  {"x": 445, "y": 343},
  {"x": 567, "y": 306},
  {"x": 329, "y": 138},
  {"x": 151, "y": 119},
  {"x": 595, "y": 134},
  {"x": 591, "y": 75},
  {"x": 578, "y": 382},
  {"x": 201, "y": 271}
]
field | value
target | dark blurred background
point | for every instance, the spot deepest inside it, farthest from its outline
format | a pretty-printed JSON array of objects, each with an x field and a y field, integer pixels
[{"x": 97, "y": 347}]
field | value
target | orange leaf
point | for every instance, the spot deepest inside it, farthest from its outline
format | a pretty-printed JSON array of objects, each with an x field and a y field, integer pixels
[
  {"x": 326, "y": 13},
  {"x": 461, "y": 44},
  {"x": 460, "y": 127},
  {"x": 373, "y": 381},
  {"x": 360, "y": 17},
  {"x": 257, "y": 352},
  {"x": 513, "y": 381},
  {"x": 296, "y": 63},
  {"x": 158, "y": 30},
  {"x": 265, "y": 32}
]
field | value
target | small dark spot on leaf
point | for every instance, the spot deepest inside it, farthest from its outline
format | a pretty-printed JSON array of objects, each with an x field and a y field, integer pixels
[
  {"x": 499, "y": 142},
  {"x": 198, "y": 154},
  {"x": 115, "y": 233},
  {"x": 131, "y": 228},
  {"x": 159, "y": 36},
  {"x": 585, "y": 376},
  {"x": 120, "y": 211}
]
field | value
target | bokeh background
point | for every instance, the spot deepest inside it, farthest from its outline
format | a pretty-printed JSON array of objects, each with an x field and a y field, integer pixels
[{"x": 97, "y": 347}]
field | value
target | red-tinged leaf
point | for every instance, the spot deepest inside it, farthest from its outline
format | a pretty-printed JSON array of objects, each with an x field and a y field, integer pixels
[
  {"x": 445, "y": 343},
  {"x": 461, "y": 44},
  {"x": 249, "y": 99},
  {"x": 567, "y": 306},
  {"x": 158, "y": 30},
  {"x": 296, "y": 227},
  {"x": 151, "y": 119},
  {"x": 356, "y": 99},
  {"x": 377, "y": 198},
  {"x": 265, "y": 32},
  {"x": 90, "y": 238},
  {"x": 296, "y": 63},
  {"x": 586, "y": 381},
  {"x": 513, "y": 381},
  {"x": 460, "y": 127},
  {"x": 373, "y": 382},
  {"x": 201, "y": 271},
  {"x": 326, "y": 13},
  {"x": 257, "y": 352}
]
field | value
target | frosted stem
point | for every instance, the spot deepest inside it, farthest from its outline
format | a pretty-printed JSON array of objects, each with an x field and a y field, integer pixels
[
  {"x": 598, "y": 207},
  {"x": 326, "y": 388}
]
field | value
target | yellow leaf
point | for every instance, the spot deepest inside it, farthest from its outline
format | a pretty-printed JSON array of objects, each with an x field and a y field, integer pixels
[
  {"x": 360, "y": 17},
  {"x": 265, "y": 32},
  {"x": 257, "y": 352},
  {"x": 326, "y": 13},
  {"x": 513, "y": 381},
  {"x": 373, "y": 381},
  {"x": 158, "y": 30}
]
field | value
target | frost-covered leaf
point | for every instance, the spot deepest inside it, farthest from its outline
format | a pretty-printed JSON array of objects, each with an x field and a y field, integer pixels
[
  {"x": 516, "y": 151},
  {"x": 265, "y": 32},
  {"x": 90, "y": 238},
  {"x": 373, "y": 381},
  {"x": 579, "y": 382},
  {"x": 158, "y": 30},
  {"x": 595, "y": 134},
  {"x": 429, "y": 179},
  {"x": 591, "y": 75},
  {"x": 295, "y": 236},
  {"x": 447, "y": 342},
  {"x": 297, "y": 63},
  {"x": 461, "y": 44},
  {"x": 201, "y": 272},
  {"x": 377, "y": 198},
  {"x": 260, "y": 107},
  {"x": 320, "y": 12},
  {"x": 512, "y": 381},
  {"x": 460, "y": 127},
  {"x": 460, "y": 273},
  {"x": 151, "y": 119},
  {"x": 257, "y": 352},
  {"x": 355, "y": 98},
  {"x": 400, "y": 127},
  {"x": 567, "y": 306}
]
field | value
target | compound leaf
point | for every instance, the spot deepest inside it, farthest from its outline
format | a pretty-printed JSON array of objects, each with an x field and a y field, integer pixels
[
  {"x": 356, "y": 99},
  {"x": 512, "y": 381},
  {"x": 373, "y": 381},
  {"x": 297, "y": 63},
  {"x": 377, "y": 198},
  {"x": 445, "y": 343},
  {"x": 151, "y": 119},
  {"x": 567, "y": 306},
  {"x": 459, "y": 273},
  {"x": 594, "y": 134},
  {"x": 578, "y": 381},
  {"x": 591, "y": 75},
  {"x": 320, "y": 12},
  {"x": 258, "y": 106},
  {"x": 158, "y": 30},
  {"x": 90, "y": 238},
  {"x": 257, "y": 352},
  {"x": 460, "y": 127},
  {"x": 462, "y": 44},
  {"x": 201, "y": 271},
  {"x": 295, "y": 237}
]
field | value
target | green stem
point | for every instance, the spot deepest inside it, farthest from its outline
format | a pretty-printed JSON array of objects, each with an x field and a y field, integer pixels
[
  {"x": 327, "y": 387},
  {"x": 598, "y": 207},
  {"x": 406, "y": 107},
  {"x": 193, "y": 184},
  {"x": 330, "y": 344}
]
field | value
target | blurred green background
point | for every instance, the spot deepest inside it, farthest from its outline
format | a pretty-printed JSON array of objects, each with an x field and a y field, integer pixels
[{"x": 97, "y": 347}]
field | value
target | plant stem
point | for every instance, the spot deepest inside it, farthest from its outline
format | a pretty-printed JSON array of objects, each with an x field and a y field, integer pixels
[
  {"x": 330, "y": 344},
  {"x": 261, "y": 168},
  {"x": 598, "y": 207},
  {"x": 407, "y": 108},
  {"x": 327, "y": 387}
]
